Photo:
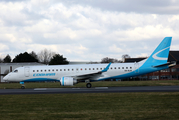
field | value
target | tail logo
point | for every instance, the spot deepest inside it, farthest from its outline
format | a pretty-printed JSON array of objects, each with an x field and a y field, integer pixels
[{"x": 160, "y": 58}]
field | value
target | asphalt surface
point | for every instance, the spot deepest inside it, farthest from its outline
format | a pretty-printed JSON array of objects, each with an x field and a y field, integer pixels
[{"x": 91, "y": 90}]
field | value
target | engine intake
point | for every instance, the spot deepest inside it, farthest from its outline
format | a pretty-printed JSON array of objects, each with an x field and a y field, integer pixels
[{"x": 67, "y": 81}]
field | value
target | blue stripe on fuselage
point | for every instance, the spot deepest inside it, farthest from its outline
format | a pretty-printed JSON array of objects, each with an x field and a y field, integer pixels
[
  {"x": 142, "y": 70},
  {"x": 39, "y": 80}
]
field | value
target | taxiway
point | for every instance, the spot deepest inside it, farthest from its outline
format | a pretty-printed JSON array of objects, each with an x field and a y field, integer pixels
[{"x": 91, "y": 90}]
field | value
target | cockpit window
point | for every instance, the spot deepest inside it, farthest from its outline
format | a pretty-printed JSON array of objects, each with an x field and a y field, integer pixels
[{"x": 15, "y": 71}]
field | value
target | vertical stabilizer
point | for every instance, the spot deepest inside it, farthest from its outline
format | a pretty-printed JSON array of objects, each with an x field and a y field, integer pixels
[{"x": 160, "y": 55}]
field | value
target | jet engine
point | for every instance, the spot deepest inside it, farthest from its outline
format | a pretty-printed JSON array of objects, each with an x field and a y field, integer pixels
[{"x": 67, "y": 81}]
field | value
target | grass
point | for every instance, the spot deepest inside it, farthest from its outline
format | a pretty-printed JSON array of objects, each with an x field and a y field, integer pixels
[
  {"x": 94, "y": 84},
  {"x": 109, "y": 106},
  {"x": 91, "y": 106}
]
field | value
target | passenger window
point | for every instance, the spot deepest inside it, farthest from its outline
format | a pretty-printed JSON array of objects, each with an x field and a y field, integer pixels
[
  {"x": 115, "y": 68},
  {"x": 33, "y": 70},
  {"x": 93, "y": 68},
  {"x": 72, "y": 69},
  {"x": 111, "y": 68},
  {"x": 37, "y": 70},
  {"x": 41, "y": 70},
  {"x": 45, "y": 70},
  {"x": 126, "y": 67},
  {"x": 68, "y": 69},
  {"x": 53, "y": 70},
  {"x": 60, "y": 69},
  {"x": 101, "y": 68},
  {"x": 89, "y": 68},
  {"x": 130, "y": 67},
  {"x": 56, "y": 69},
  {"x": 118, "y": 67},
  {"x": 64, "y": 69},
  {"x": 49, "y": 70},
  {"x": 122, "y": 67}
]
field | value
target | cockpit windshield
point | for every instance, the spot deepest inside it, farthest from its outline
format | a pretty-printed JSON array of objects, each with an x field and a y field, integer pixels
[{"x": 15, "y": 71}]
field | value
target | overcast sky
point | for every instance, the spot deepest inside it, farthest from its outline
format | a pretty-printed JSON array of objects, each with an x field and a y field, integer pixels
[{"x": 87, "y": 30}]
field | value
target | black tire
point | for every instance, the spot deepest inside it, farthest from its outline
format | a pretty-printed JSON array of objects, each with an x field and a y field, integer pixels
[
  {"x": 22, "y": 87},
  {"x": 88, "y": 85}
]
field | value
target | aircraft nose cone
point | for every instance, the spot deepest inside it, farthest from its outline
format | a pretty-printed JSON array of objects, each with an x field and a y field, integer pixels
[{"x": 6, "y": 78}]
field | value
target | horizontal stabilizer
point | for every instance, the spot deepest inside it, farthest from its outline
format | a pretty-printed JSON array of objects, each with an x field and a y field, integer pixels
[{"x": 170, "y": 64}]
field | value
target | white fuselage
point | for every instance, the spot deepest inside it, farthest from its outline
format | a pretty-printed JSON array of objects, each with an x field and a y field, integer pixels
[{"x": 55, "y": 72}]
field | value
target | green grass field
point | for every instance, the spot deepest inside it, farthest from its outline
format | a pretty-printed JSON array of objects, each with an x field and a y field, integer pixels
[
  {"x": 108, "y": 106},
  {"x": 94, "y": 84},
  {"x": 91, "y": 106}
]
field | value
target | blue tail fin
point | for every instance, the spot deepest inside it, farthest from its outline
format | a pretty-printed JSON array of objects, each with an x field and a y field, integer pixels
[{"x": 160, "y": 55}]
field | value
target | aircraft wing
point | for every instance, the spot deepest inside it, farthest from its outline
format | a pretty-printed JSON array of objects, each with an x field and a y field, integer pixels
[{"x": 92, "y": 75}]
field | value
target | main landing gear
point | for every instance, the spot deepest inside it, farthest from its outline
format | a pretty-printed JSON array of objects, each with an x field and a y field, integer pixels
[
  {"x": 88, "y": 85},
  {"x": 22, "y": 85}
]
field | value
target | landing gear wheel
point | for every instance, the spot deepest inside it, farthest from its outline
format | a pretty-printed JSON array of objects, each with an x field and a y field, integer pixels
[
  {"x": 22, "y": 87},
  {"x": 88, "y": 85}
]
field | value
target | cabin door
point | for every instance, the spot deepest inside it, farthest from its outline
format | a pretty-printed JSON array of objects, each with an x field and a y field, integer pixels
[{"x": 27, "y": 71}]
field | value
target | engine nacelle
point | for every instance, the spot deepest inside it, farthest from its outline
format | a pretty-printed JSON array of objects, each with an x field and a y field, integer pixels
[{"x": 67, "y": 81}]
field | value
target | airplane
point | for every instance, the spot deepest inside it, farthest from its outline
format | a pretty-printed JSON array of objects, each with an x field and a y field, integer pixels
[{"x": 68, "y": 75}]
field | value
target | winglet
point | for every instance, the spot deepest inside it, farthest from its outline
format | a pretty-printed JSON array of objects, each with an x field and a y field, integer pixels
[{"x": 106, "y": 69}]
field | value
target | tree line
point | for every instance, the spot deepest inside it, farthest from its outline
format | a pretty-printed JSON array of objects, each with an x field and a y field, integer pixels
[
  {"x": 113, "y": 60},
  {"x": 51, "y": 58},
  {"x": 45, "y": 56}
]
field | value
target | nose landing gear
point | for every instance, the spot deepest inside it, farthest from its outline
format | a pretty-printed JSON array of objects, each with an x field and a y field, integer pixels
[{"x": 22, "y": 85}]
